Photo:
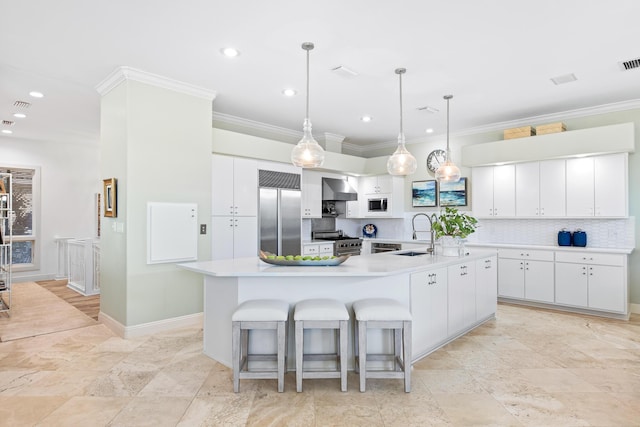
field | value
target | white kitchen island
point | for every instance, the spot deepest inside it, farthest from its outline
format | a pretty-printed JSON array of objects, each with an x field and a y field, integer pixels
[{"x": 448, "y": 296}]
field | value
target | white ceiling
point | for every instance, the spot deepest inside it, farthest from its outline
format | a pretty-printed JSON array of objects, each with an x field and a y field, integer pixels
[{"x": 495, "y": 56}]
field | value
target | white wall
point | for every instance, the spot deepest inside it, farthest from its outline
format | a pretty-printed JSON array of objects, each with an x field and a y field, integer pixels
[{"x": 69, "y": 181}]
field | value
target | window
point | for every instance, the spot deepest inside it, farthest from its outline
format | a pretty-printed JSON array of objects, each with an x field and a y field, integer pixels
[{"x": 24, "y": 216}]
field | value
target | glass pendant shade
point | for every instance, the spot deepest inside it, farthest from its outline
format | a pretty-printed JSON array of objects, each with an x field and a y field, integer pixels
[
  {"x": 307, "y": 153},
  {"x": 401, "y": 161},
  {"x": 448, "y": 171}
]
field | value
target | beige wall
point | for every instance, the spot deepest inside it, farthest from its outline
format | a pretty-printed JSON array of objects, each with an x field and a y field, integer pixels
[{"x": 157, "y": 142}]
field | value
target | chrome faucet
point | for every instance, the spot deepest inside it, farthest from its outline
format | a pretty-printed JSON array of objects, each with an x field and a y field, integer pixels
[{"x": 431, "y": 218}]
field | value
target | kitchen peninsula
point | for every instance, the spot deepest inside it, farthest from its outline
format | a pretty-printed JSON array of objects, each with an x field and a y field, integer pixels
[{"x": 448, "y": 296}]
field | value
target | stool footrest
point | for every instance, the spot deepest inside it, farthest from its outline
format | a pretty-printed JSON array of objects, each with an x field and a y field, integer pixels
[{"x": 272, "y": 375}]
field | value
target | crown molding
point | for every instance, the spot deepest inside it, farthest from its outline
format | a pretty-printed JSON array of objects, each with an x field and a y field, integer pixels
[
  {"x": 123, "y": 73},
  {"x": 229, "y": 122}
]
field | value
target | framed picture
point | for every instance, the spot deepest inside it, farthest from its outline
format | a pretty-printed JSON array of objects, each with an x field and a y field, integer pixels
[
  {"x": 110, "y": 198},
  {"x": 453, "y": 193},
  {"x": 424, "y": 194}
]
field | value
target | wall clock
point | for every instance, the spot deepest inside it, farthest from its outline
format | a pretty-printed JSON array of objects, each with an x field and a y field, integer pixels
[{"x": 435, "y": 159}]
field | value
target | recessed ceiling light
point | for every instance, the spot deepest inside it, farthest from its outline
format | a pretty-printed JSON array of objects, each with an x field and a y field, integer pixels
[
  {"x": 566, "y": 78},
  {"x": 430, "y": 130},
  {"x": 36, "y": 94},
  {"x": 7, "y": 131},
  {"x": 366, "y": 119},
  {"x": 19, "y": 115},
  {"x": 289, "y": 92},
  {"x": 230, "y": 52}
]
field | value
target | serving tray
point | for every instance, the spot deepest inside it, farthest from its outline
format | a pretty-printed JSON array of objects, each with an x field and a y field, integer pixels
[{"x": 317, "y": 263}]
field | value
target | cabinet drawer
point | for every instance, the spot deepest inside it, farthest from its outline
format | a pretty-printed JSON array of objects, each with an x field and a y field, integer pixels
[
  {"x": 311, "y": 249},
  {"x": 326, "y": 248},
  {"x": 535, "y": 254},
  {"x": 591, "y": 258}
]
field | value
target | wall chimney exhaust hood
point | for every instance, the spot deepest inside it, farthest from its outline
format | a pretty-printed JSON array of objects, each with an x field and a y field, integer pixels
[{"x": 338, "y": 189}]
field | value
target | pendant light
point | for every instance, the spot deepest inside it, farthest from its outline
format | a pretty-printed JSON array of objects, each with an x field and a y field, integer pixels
[
  {"x": 448, "y": 171},
  {"x": 402, "y": 161},
  {"x": 307, "y": 153}
]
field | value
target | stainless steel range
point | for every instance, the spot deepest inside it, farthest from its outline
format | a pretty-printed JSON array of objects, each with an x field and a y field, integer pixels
[{"x": 344, "y": 245}]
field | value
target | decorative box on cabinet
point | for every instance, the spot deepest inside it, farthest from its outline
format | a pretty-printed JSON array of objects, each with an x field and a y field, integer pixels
[
  {"x": 526, "y": 274},
  {"x": 591, "y": 280}
]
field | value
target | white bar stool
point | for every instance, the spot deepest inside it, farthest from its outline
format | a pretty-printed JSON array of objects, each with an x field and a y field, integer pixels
[
  {"x": 383, "y": 313},
  {"x": 321, "y": 314},
  {"x": 258, "y": 314}
]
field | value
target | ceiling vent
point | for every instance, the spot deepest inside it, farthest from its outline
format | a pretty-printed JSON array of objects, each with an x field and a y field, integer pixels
[
  {"x": 566, "y": 78},
  {"x": 21, "y": 104},
  {"x": 343, "y": 71},
  {"x": 7, "y": 123},
  {"x": 428, "y": 109},
  {"x": 630, "y": 64}
]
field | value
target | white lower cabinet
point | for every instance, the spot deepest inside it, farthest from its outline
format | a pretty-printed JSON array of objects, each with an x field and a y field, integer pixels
[
  {"x": 593, "y": 281},
  {"x": 234, "y": 237},
  {"x": 526, "y": 274},
  {"x": 461, "y": 296},
  {"x": 429, "y": 309},
  {"x": 486, "y": 287},
  {"x": 317, "y": 249}
]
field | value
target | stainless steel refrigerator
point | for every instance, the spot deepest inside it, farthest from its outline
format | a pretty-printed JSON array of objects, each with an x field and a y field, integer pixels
[{"x": 279, "y": 213}]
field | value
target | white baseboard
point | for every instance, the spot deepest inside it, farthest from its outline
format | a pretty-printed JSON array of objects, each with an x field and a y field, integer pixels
[
  {"x": 635, "y": 308},
  {"x": 151, "y": 327},
  {"x": 26, "y": 277}
]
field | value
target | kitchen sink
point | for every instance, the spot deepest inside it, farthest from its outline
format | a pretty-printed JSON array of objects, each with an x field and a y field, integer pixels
[{"x": 411, "y": 253}]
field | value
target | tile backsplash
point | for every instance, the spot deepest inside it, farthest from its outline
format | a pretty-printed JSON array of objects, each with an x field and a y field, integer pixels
[{"x": 601, "y": 233}]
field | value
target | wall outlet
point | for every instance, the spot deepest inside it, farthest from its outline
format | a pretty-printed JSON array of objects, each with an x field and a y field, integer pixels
[{"x": 203, "y": 228}]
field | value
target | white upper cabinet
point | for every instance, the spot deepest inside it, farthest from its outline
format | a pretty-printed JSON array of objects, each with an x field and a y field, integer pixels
[
  {"x": 580, "y": 191},
  {"x": 553, "y": 188},
  {"x": 494, "y": 191},
  {"x": 234, "y": 186},
  {"x": 580, "y": 187},
  {"x": 611, "y": 185},
  {"x": 598, "y": 186},
  {"x": 376, "y": 184},
  {"x": 540, "y": 189},
  {"x": 381, "y": 186},
  {"x": 528, "y": 189},
  {"x": 311, "y": 194}
]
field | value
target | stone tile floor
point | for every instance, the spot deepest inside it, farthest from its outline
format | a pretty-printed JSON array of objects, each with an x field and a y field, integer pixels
[{"x": 528, "y": 367}]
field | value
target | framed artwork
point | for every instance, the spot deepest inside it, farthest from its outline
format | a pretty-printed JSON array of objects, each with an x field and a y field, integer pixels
[
  {"x": 110, "y": 197},
  {"x": 453, "y": 193},
  {"x": 424, "y": 194}
]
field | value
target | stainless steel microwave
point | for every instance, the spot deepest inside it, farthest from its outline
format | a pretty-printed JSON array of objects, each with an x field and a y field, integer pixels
[{"x": 378, "y": 204}]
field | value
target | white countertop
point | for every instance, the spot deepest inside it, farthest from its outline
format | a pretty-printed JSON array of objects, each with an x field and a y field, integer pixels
[
  {"x": 626, "y": 251},
  {"x": 385, "y": 264}
]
